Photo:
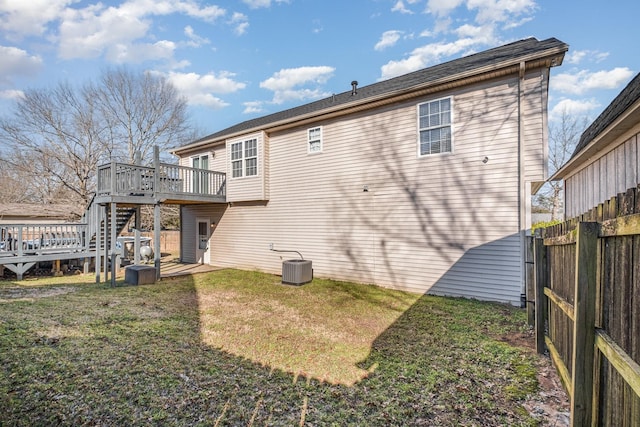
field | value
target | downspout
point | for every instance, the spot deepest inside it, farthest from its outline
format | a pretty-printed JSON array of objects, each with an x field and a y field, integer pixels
[{"x": 522, "y": 190}]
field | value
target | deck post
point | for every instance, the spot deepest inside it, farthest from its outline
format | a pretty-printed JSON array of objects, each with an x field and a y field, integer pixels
[
  {"x": 113, "y": 181},
  {"x": 96, "y": 215},
  {"x": 156, "y": 238},
  {"x": 105, "y": 258},
  {"x": 156, "y": 210},
  {"x": 136, "y": 238},
  {"x": 113, "y": 243}
]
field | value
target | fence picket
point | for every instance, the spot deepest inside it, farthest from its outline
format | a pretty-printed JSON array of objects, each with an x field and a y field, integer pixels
[{"x": 592, "y": 263}]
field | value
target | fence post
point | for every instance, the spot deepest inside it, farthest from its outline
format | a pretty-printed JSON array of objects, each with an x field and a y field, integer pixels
[
  {"x": 541, "y": 281},
  {"x": 584, "y": 323},
  {"x": 530, "y": 281}
]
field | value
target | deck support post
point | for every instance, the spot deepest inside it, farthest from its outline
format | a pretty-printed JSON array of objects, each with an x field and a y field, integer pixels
[
  {"x": 105, "y": 259},
  {"x": 56, "y": 270},
  {"x": 136, "y": 238},
  {"x": 113, "y": 243},
  {"x": 156, "y": 238},
  {"x": 97, "y": 215}
]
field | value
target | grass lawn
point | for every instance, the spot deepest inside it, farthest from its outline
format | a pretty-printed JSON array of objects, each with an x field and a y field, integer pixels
[{"x": 239, "y": 348}]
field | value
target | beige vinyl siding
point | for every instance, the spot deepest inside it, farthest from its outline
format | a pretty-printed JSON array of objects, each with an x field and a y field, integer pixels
[
  {"x": 535, "y": 117},
  {"x": 612, "y": 173},
  {"x": 190, "y": 213},
  {"x": 445, "y": 223}
]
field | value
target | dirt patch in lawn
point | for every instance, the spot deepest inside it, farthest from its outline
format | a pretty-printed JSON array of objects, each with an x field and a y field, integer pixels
[
  {"x": 27, "y": 294},
  {"x": 551, "y": 403}
]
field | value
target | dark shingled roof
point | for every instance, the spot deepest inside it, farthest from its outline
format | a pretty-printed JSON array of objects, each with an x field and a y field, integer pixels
[
  {"x": 619, "y": 105},
  {"x": 510, "y": 51},
  {"x": 61, "y": 212}
]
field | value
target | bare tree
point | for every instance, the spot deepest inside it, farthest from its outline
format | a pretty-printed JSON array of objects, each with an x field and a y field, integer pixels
[
  {"x": 141, "y": 111},
  {"x": 563, "y": 138},
  {"x": 56, "y": 138}
]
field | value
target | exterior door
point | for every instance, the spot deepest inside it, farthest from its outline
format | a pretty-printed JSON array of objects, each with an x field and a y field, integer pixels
[
  {"x": 200, "y": 179},
  {"x": 203, "y": 227}
]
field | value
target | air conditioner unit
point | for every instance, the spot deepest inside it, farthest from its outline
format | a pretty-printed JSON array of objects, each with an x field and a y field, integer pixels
[{"x": 297, "y": 271}]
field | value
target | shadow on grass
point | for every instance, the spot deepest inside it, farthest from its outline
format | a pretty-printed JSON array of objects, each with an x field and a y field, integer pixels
[{"x": 154, "y": 355}]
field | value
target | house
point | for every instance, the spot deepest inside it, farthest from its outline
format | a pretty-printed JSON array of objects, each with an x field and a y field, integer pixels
[
  {"x": 421, "y": 182},
  {"x": 606, "y": 159},
  {"x": 30, "y": 213}
]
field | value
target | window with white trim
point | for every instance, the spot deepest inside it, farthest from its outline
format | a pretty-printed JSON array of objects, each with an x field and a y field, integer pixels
[
  {"x": 314, "y": 139},
  {"x": 434, "y": 127},
  {"x": 244, "y": 158}
]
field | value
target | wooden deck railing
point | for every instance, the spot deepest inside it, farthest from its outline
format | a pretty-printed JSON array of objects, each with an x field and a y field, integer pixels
[
  {"x": 121, "y": 179},
  {"x": 182, "y": 179},
  {"x": 31, "y": 239}
]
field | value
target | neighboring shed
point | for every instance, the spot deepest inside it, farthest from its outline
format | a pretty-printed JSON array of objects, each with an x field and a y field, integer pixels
[
  {"x": 28, "y": 213},
  {"x": 606, "y": 160}
]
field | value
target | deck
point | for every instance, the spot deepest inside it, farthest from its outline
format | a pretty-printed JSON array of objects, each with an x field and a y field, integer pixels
[
  {"x": 119, "y": 185},
  {"x": 124, "y": 183}
]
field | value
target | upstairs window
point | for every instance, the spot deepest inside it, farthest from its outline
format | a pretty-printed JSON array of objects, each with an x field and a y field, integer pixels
[
  {"x": 314, "y": 139},
  {"x": 244, "y": 158},
  {"x": 434, "y": 127}
]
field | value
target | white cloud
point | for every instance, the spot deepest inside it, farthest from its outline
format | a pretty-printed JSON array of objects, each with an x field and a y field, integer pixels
[
  {"x": 442, "y": 7},
  {"x": 140, "y": 52},
  {"x": 291, "y": 77},
  {"x": 500, "y": 10},
  {"x": 400, "y": 7},
  {"x": 284, "y": 81},
  {"x": 17, "y": 62},
  {"x": 317, "y": 26},
  {"x": 94, "y": 30},
  {"x": 425, "y": 56},
  {"x": 577, "y": 56},
  {"x": 190, "y": 8},
  {"x": 23, "y": 18},
  {"x": 11, "y": 94},
  {"x": 257, "y": 4},
  {"x": 572, "y": 107},
  {"x": 583, "y": 81},
  {"x": 253, "y": 107},
  {"x": 200, "y": 89},
  {"x": 241, "y": 23},
  {"x": 194, "y": 39},
  {"x": 388, "y": 39},
  {"x": 466, "y": 38}
]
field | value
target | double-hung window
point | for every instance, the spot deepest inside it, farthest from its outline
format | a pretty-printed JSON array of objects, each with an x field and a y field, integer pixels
[
  {"x": 244, "y": 158},
  {"x": 434, "y": 127},
  {"x": 314, "y": 139}
]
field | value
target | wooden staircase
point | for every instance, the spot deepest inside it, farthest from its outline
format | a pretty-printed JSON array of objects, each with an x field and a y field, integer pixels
[{"x": 96, "y": 218}]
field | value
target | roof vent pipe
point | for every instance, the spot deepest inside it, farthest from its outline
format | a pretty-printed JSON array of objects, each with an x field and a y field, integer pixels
[{"x": 354, "y": 87}]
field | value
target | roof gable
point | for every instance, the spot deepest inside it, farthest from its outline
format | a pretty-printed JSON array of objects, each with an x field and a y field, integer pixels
[
  {"x": 629, "y": 95},
  {"x": 506, "y": 55},
  {"x": 619, "y": 116}
]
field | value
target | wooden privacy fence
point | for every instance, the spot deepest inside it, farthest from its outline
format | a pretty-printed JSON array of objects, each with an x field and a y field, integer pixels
[{"x": 587, "y": 310}]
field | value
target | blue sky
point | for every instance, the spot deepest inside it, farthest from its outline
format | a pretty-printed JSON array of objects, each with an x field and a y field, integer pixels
[{"x": 236, "y": 60}]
